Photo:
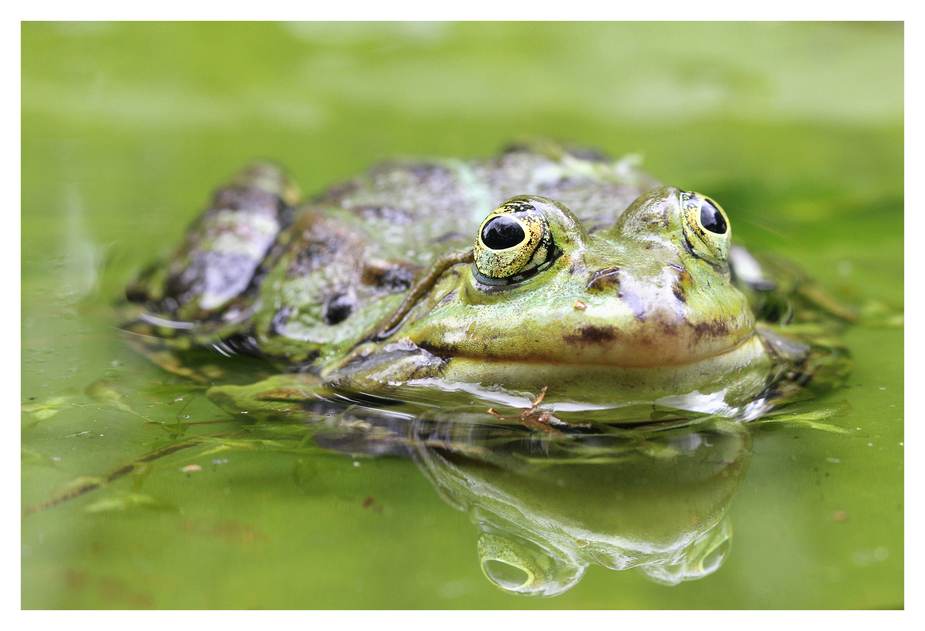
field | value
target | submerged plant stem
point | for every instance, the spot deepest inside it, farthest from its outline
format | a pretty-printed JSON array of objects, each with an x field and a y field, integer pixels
[{"x": 112, "y": 476}]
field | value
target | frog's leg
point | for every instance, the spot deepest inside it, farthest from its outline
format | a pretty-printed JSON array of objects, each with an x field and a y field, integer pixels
[
  {"x": 198, "y": 297},
  {"x": 783, "y": 293},
  {"x": 378, "y": 380},
  {"x": 210, "y": 272},
  {"x": 365, "y": 375},
  {"x": 286, "y": 397}
]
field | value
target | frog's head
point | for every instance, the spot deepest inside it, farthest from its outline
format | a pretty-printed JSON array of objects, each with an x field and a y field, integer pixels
[{"x": 652, "y": 290}]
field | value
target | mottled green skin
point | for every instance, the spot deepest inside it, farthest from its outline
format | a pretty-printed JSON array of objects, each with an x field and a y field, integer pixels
[{"x": 371, "y": 290}]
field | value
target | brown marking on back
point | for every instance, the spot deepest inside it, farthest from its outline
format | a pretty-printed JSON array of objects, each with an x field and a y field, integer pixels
[
  {"x": 393, "y": 277},
  {"x": 314, "y": 255}
]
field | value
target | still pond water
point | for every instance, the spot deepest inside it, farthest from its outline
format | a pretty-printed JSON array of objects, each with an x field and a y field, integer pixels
[{"x": 127, "y": 127}]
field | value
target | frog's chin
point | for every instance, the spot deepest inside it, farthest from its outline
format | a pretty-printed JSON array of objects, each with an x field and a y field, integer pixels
[{"x": 749, "y": 362}]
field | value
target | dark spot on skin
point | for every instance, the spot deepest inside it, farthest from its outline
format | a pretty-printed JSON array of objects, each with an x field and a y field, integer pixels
[
  {"x": 592, "y": 334},
  {"x": 715, "y": 328},
  {"x": 280, "y": 318},
  {"x": 337, "y": 308},
  {"x": 605, "y": 279},
  {"x": 392, "y": 278},
  {"x": 314, "y": 255},
  {"x": 668, "y": 328}
]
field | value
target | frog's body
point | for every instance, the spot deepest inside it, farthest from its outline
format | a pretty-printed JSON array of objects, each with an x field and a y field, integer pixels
[{"x": 587, "y": 279}]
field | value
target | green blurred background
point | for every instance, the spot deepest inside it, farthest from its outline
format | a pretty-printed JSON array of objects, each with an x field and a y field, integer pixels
[{"x": 795, "y": 128}]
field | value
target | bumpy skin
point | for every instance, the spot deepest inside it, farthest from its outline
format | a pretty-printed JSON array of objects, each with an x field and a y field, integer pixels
[{"x": 585, "y": 279}]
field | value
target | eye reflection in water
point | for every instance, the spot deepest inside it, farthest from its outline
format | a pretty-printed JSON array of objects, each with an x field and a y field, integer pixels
[{"x": 549, "y": 506}]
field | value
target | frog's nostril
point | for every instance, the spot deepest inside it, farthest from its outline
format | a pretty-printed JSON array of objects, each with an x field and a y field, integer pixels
[{"x": 602, "y": 279}]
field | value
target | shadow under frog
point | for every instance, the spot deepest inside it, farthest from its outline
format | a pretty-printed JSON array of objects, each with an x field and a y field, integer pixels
[{"x": 549, "y": 506}]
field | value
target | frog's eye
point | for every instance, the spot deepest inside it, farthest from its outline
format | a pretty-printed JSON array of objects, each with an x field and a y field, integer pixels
[
  {"x": 514, "y": 242},
  {"x": 706, "y": 227}
]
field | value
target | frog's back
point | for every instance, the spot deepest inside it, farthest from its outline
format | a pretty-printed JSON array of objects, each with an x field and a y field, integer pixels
[{"x": 427, "y": 206}]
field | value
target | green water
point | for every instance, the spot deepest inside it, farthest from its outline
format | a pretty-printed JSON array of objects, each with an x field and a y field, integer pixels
[{"x": 797, "y": 129}]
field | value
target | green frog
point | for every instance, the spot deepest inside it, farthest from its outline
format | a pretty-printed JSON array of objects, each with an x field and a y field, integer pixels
[{"x": 549, "y": 281}]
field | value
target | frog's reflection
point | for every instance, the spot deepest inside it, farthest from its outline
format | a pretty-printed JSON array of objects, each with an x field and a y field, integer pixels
[{"x": 547, "y": 506}]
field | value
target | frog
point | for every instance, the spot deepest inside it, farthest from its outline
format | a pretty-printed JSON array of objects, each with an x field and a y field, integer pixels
[{"x": 550, "y": 281}]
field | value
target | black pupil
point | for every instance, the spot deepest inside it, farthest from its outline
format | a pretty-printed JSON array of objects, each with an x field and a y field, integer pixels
[
  {"x": 502, "y": 232},
  {"x": 712, "y": 219}
]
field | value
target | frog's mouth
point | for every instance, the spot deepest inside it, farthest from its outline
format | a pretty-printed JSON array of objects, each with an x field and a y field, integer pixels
[{"x": 659, "y": 340}]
